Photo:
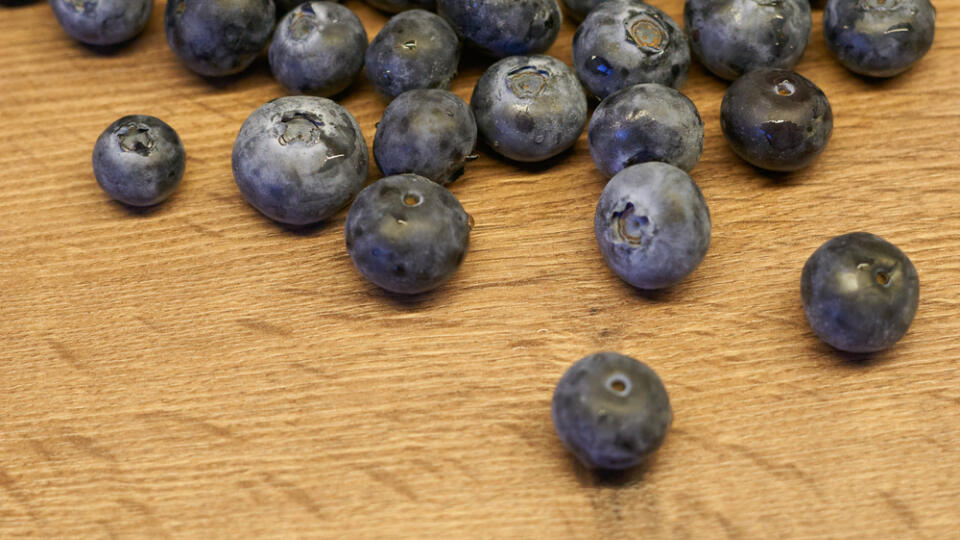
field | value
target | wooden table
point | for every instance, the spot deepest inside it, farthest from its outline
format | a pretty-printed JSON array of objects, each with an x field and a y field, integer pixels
[{"x": 197, "y": 371}]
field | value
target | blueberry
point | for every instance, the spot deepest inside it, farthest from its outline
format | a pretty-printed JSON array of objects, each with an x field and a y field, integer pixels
[
  {"x": 626, "y": 42},
  {"x": 645, "y": 122},
  {"x": 501, "y": 28},
  {"x": 776, "y": 119},
  {"x": 860, "y": 293},
  {"x": 879, "y": 38},
  {"x": 430, "y": 133},
  {"x": 407, "y": 234},
  {"x": 396, "y": 6},
  {"x": 300, "y": 159},
  {"x": 611, "y": 411},
  {"x": 578, "y": 9},
  {"x": 139, "y": 160},
  {"x": 102, "y": 22},
  {"x": 652, "y": 225},
  {"x": 529, "y": 108},
  {"x": 732, "y": 37},
  {"x": 415, "y": 49},
  {"x": 217, "y": 38},
  {"x": 318, "y": 48}
]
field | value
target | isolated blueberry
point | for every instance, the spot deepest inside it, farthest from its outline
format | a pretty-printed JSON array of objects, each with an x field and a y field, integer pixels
[
  {"x": 415, "y": 49},
  {"x": 732, "y": 37},
  {"x": 611, "y": 411},
  {"x": 502, "y": 28},
  {"x": 860, "y": 293},
  {"x": 407, "y": 234},
  {"x": 396, "y": 6},
  {"x": 879, "y": 38},
  {"x": 529, "y": 108},
  {"x": 626, "y": 42},
  {"x": 139, "y": 160},
  {"x": 430, "y": 133},
  {"x": 102, "y": 22},
  {"x": 776, "y": 119},
  {"x": 652, "y": 225},
  {"x": 218, "y": 37},
  {"x": 645, "y": 122},
  {"x": 299, "y": 159},
  {"x": 318, "y": 48},
  {"x": 578, "y": 9}
]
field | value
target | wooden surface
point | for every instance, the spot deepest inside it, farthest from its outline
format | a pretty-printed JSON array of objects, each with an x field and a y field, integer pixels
[{"x": 197, "y": 371}]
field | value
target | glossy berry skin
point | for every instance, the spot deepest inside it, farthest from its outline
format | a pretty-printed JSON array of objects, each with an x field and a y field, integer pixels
[
  {"x": 732, "y": 37},
  {"x": 860, "y": 293},
  {"x": 415, "y": 49},
  {"x": 102, "y": 22},
  {"x": 611, "y": 411},
  {"x": 407, "y": 234},
  {"x": 216, "y": 38},
  {"x": 529, "y": 108},
  {"x": 396, "y": 6},
  {"x": 300, "y": 159},
  {"x": 626, "y": 42},
  {"x": 139, "y": 160},
  {"x": 578, "y": 9},
  {"x": 879, "y": 38},
  {"x": 430, "y": 133},
  {"x": 318, "y": 49},
  {"x": 501, "y": 28},
  {"x": 652, "y": 225},
  {"x": 645, "y": 122},
  {"x": 776, "y": 119}
]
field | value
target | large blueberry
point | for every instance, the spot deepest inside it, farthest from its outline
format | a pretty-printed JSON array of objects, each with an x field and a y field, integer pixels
[
  {"x": 652, "y": 225},
  {"x": 529, "y": 108},
  {"x": 102, "y": 22},
  {"x": 645, "y": 122},
  {"x": 430, "y": 133},
  {"x": 611, "y": 411},
  {"x": 219, "y": 37},
  {"x": 139, "y": 160},
  {"x": 776, "y": 119},
  {"x": 415, "y": 49},
  {"x": 318, "y": 48},
  {"x": 626, "y": 42},
  {"x": 860, "y": 293},
  {"x": 299, "y": 159},
  {"x": 407, "y": 234},
  {"x": 396, "y": 6},
  {"x": 732, "y": 37},
  {"x": 879, "y": 38},
  {"x": 578, "y": 9},
  {"x": 502, "y": 28}
]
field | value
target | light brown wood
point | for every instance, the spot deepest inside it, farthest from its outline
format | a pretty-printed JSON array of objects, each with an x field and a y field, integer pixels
[{"x": 196, "y": 371}]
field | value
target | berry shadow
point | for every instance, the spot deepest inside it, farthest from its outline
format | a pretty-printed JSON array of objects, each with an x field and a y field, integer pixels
[
  {"x": 604, "y": 478},
  {"x": 259, "y": 68},
  {"x": 16, "y": 3},
  {"x": 141, "y": 211},
  {"x": 536, "y": 167}
]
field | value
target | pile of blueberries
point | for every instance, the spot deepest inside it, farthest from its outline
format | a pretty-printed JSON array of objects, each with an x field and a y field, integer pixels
[{"x": 299, "y": 159}]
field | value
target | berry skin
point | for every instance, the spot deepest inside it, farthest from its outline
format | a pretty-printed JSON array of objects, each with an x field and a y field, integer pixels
[
  {"x": 139, "y": 160},
  {"x": 102, "y": 22},
  {"x": 396, "y": 6},
  {"x": 407, "y": 234},
  {"x": 611, "y": 411},
  {"x": 501, "y": 28},
  {"x": 860, "y": 293}
]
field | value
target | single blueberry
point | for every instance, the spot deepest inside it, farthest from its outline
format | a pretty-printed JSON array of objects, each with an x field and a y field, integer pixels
[
  {"x": 299, "y": 159},
  {"x": 431, "y": 133},
  {"x": 407, "y": 234},
  {"x": 102, "y": 22},
  {"x": 415, "y": 49},
  {"x": 529, "y": 108},
  {"x": 776, "y": 119},
  {"x": 216, "y": 38},
  {"x": 318, "y": 48},
  {"x": 626, "y": 42},
  {"x": 501, "y": 28},
  {"x": 652, "y": 225},
  {"x": 578, "y": 9},
  {"x": 860, "y": 293},
  {"x": 879, "y": 38},
  {"x": 396, "y": 6},
  {"x": 139, "y": 160},
  {"x": 645, "y": 122},
  {"x": 611, "y": 411},
  {"x": 732, "y": 37}
]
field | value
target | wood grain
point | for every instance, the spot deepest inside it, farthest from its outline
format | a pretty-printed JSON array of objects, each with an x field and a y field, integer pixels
[{"x": 196, "y": 371}]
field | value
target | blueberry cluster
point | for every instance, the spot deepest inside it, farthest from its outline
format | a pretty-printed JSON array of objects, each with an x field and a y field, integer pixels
[{"x": 300, "y": 159}]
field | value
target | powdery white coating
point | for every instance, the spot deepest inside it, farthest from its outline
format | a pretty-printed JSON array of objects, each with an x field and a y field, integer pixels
[
  {"x": 501, "y": 28},
  {"x": 415, "y": 49},
  {"x": 102, "y": 22}
]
